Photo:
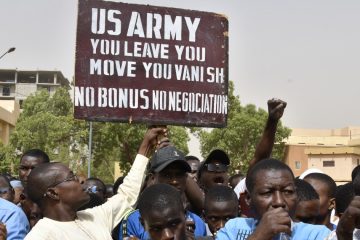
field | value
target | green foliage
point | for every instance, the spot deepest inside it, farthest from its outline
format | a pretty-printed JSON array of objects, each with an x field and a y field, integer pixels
[
  {"x": 243, "y": 132},
  {"x": 47, "y": 123}
]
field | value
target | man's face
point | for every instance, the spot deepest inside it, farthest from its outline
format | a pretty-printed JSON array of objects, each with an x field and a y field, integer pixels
[
  {"x": 32, "y": 211},
  {"x": 307, "y": 211},
  {"x": 218, "y": 213},
  {"x": 214, "y": 173},
  {"x": 69, "y": 190},
  {"x": 174, "y": 175},
  {"x": 27, "y": 163},
  {"x": 273, "y": 189},
  {"x": 169, "y": 223},
  {"x": 96, "y": 188},
  {"x": 194, "y": 165},
  {"x": 6, "y": 191},
  {"x": 322, "y": 189}
]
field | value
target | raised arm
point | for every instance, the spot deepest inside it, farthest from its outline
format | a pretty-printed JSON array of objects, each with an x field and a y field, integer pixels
[{"x": 264, "y": 148}]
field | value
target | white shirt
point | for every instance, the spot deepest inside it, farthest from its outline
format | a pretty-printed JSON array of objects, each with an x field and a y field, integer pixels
[{"x": 98, "y": 222}]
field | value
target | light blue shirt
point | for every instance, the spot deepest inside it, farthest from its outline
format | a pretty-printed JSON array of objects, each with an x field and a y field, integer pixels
[
  {"x": 135, "y": 228},
  {"x": 242, "y": 228},
  {"x": 17, "y": 225}
]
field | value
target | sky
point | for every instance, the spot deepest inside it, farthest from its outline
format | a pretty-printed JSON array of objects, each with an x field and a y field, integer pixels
[{"x": 305, "y": 52}]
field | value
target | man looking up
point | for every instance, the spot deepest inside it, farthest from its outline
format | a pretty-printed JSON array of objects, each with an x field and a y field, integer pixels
[
  {"x": 57, "y": 191},
  {"x": 272, "y": 198}
]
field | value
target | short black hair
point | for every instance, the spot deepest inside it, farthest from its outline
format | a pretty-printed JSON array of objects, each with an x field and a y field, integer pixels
[
  {"x": 265, "y": 164},
  {"x": 159, "y": 196},
  {"x": 305, "y": 191},
  {"x": 190, "y": 157},
  {"x": 38, "y": 154},
  {"x": 220, "y": 194},
  {"x": 325, "y": 179},
  {"x": 344, "y": 195},
  {"x": 355, "y": 172},
  {"x": 5, "y": 177},
  {"x": 40, "y": 178}
]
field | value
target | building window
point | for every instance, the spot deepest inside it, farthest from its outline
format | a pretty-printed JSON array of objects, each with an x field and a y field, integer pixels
[
  {"x": 328, "y": 163},
  {"x": 297, "y": 164},
  {"x": 6, "y": 91}
]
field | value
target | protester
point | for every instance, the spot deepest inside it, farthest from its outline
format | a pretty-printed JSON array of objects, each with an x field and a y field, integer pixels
[
  {"x": 18, "y": 189},
  {"x": 17, "y": 226},
  {"x": 325, "y": 186},
  {"x": 194, "y": 164},
  {"x": 214, "y": 170},
  {"x": 221, "y": 205},
  {"x": 6, "y": 190},
  {"x": 162, "y": 213},
  {"x": 28, "y": 161},
  {"x": 308, "y": 205},
  {"x": 109, "y": 191},
  {"x": 56, "y": 190},
  {"x": 168, "y": 166},
  {"x": 273, "y": 198},
  {"x": 235, "y": 179},
  {"x": 343, "y": 198},
  {"x": 31, "y": 209},
  {"x": 96, "y": 187}
]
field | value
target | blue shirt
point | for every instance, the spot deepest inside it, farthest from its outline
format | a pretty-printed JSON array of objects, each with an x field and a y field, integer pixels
[
  {"x": 135, "y": 228},
  {"x": 242, "y": 228},
  {"x": 17, "y": 225}
]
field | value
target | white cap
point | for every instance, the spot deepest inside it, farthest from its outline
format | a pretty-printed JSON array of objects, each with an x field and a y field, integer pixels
[{"x": 308, "y": 171}]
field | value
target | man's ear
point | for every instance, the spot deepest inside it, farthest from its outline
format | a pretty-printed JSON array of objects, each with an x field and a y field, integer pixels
[
  {"x": 332, "y": 204},
  {"x": 52, "y": 194}
]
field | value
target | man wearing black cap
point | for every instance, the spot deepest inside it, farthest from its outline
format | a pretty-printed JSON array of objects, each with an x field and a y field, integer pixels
[
  {"x": 168, "y": 165},
  {"x": 213, "y": 171}
]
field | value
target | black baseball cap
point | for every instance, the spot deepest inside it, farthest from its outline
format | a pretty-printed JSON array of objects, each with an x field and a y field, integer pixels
[
  {"x": 218, "y": 154},
  {"x": 165, "y": 156}
]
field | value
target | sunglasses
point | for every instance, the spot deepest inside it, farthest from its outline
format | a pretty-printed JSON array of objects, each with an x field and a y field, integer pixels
[{"x": 216, "y": 167}]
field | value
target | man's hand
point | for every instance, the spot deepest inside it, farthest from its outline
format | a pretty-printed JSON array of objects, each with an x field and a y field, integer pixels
[
  {"x": 349, "y": 220},
  {"x": 276, "y": 108},
  {"x": 3, "y": 232},
  {"x": 150, "y": 140},
  {"x": 273, "y": 222}
]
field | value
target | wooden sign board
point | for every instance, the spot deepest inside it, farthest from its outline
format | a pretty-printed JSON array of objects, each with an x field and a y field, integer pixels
[{"x": 147, "y": 64}]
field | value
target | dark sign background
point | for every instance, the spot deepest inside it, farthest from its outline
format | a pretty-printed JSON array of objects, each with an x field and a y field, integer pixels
[{"x": 211, "y": 34}]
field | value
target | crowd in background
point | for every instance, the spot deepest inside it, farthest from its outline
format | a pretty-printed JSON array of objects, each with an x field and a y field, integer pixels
[{"x": 167, "y": 195}]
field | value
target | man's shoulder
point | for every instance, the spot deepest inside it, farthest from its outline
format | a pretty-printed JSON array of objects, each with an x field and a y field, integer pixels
[
  {"x": 6, "y": 205},
  {"x": 42, "y": 230},
  {"x": 310, "y": 231}
]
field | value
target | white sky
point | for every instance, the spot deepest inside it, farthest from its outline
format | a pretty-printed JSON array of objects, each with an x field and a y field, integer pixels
[{"x": 305, "y": 52}]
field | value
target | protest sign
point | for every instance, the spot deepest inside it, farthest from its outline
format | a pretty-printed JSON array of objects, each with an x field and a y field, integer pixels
[{"x": 155, "y": 65}]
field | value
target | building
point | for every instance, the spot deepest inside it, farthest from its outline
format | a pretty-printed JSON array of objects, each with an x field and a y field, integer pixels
[
  {"x": 15, "y": 86},
  {"x": 334, "y": 151},
  {"x": 18, "y": 85},
  {"x": 9, "y": 113}
]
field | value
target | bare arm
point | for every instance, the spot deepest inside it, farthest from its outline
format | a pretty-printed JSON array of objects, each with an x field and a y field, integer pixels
[
  {"x": 264, "y": 148},
  {"x": 194, "y": 194}
]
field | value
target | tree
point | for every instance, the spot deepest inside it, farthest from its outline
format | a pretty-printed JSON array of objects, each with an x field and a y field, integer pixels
[
  {"x": 47, "y": 123},
  {"x": 243, "y": 132}
]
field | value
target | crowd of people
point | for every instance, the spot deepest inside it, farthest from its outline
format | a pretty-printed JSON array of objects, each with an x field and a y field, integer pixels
[{"x": 167, "y": 195}]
